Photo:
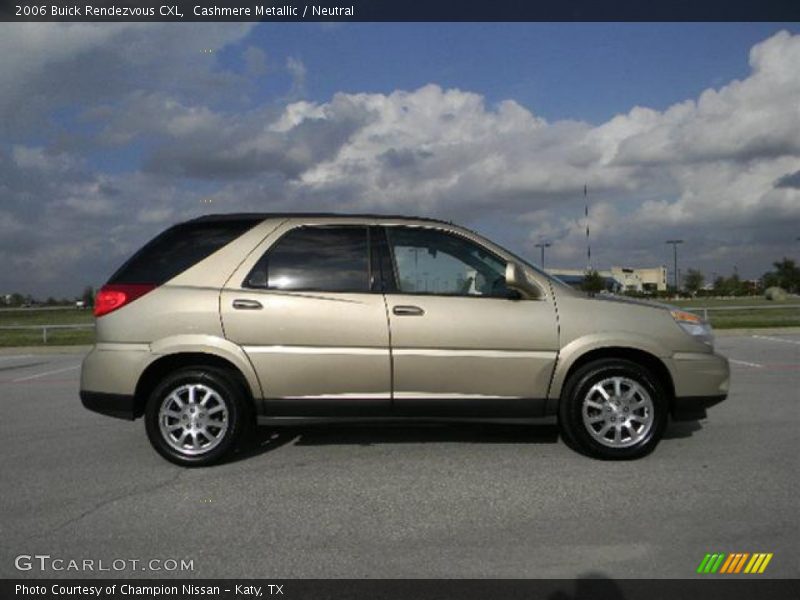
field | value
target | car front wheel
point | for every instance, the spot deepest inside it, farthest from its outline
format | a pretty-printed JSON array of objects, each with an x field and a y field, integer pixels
[
  {"x": 196, "y": 416},
  {"x": 613, "y": 409}
]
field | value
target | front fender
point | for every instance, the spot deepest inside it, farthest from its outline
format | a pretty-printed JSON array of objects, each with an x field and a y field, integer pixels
[{"x": 579, "y": 347}]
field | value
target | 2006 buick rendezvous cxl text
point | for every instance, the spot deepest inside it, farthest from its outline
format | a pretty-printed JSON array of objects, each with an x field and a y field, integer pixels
[{"x": 227, "y": 318}]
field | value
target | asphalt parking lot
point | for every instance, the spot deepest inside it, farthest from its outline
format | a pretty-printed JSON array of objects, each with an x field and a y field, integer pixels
[{"x": 403, "y": 500}]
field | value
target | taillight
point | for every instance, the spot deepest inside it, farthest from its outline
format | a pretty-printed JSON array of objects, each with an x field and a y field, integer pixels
[{"x": 114, "y": 296}]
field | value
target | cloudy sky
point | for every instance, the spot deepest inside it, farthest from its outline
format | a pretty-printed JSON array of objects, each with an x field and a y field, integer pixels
[{"x": 111, "y": 132}]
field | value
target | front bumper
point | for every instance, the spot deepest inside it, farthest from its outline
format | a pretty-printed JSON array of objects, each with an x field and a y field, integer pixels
[{"x": 701, "y": 380}]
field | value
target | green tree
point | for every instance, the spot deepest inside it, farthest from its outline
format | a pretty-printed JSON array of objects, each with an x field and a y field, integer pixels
[
  {"x": 733, "y": 286},
  {"x": 785, "y": 275},
  {"x": 88, "y": 296},
  {"x": 693, "y": 281},
  {"x": 719, "y": 284},
  {"x": 17, "y": 299},
  {"x": 593, "y": 282},
  {"x": 770, "y": 279}
]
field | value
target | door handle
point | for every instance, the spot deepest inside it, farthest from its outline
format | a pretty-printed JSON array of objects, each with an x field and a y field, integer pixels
[
  {"x": 408, "y": 311},
  {"x": 240, "y": 304}
]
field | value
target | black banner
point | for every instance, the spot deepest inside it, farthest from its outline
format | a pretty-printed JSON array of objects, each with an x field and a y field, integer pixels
[
  {"x": 398, "y": 10},
  {"x": 734, "y": 588}
]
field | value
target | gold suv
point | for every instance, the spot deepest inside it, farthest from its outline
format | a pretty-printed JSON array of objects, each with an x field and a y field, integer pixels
[{"x": 227, "y": 318}]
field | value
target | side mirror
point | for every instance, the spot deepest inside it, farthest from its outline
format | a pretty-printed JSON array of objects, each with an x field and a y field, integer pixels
[{"x": 516, "y": 281}]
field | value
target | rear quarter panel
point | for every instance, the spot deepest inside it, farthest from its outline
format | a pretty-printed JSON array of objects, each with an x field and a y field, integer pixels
[
  {"x": 188, "y": 304},
  {"x": 178, "y": 317}
]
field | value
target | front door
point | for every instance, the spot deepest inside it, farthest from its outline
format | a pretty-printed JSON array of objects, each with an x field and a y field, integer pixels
[
  {"x": 461, "y": 342},
  {"x": 313, "y": 329}
]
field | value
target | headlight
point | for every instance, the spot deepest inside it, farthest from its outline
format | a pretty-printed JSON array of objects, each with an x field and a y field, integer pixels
[{"x": 694, "y": 326}]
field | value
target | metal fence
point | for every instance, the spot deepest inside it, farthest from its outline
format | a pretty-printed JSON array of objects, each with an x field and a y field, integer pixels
[
  {"x": 46, "y": 328},
  {"x": 705, "y": 309}
]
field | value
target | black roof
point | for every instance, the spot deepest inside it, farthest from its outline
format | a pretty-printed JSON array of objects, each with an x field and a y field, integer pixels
[{"x": 255, "y": 217}]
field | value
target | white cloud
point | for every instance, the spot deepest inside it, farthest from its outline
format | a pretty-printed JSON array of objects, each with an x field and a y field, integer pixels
[
  {"x": 719, "y": 170},
  {"x": 297, "y": 71},
  {"x": 758, "y": 117},
  {"x": 46, "y": 66}
]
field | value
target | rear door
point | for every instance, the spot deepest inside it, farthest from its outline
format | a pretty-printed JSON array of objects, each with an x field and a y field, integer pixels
[
  {"x": 461, "y": 341},
  {"x": 308, "y": 318}
]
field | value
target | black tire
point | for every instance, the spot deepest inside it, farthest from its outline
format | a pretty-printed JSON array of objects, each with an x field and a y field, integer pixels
[
  {"x": 577, "y": 392},
  {"x": 229, "y": 392}
]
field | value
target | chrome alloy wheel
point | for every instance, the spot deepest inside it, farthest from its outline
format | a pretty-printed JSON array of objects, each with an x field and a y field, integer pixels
[
  {"x": 193, "y": 419},
  {"x": 617, "y": 412}
]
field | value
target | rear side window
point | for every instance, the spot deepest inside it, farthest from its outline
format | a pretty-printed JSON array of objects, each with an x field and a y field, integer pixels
[
  {"x": 179, "y": 248},
  {"x": 329, "y": 259}
]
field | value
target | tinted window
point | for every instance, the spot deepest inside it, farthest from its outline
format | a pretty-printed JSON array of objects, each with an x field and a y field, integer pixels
[
  {"x": 434, "y": 262},
  {"x": 383, "y": 279},
  {"x": 331, "y": 259},
  {"x": 179, "y": 248}
]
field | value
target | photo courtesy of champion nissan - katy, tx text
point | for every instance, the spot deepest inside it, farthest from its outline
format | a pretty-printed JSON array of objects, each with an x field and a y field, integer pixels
[{"x": 227, "y": 318}]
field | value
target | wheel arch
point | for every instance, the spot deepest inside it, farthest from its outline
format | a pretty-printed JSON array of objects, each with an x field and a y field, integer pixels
[
  {"x": 636, "y": 355},
  {"x": 162, "y": 366}
]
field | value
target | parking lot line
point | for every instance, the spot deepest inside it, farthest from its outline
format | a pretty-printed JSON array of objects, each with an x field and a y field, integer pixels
[
  {"x": 745, "y": 363},
  {"x": 38, "y": 375},
  {"x": 775, "y": 339},
  {"x": 15, "y": 356}
]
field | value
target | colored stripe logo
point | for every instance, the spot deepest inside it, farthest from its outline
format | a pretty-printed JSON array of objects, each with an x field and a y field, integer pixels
[{"x": 734, "y": 563}]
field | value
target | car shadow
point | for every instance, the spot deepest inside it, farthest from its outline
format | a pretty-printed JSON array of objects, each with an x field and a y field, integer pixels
[
  {"x": 591, "y": 586},
  {"x": 261, "y": 441},
  {"x": 681, "y": 429},
  {"x": 422, "y": 433},
  {"x": 267, "y": 438}
]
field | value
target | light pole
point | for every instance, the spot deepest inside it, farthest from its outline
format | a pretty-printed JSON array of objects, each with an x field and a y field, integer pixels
[
  {"x": 675, "y": 259},
  {"x": 542, "y": 246}
]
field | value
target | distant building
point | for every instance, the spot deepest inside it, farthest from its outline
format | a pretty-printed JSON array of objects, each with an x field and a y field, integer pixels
[{"x": 620, "y": 279}]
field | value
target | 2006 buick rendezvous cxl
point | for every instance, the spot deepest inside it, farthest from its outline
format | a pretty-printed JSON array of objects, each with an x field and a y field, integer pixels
[{"x": 227, "y": 318}]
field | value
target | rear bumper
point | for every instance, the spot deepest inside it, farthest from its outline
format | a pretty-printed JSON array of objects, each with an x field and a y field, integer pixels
[
  {"x": 108, "y": 378},
  {"x": 113, "y": 405},
  {"x": 114, "y": 368}
]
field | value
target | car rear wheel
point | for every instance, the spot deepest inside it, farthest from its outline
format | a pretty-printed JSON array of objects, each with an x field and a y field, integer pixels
[
  {"x": 613, "y": 409},
  {"x": 196, "y": 416}
]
